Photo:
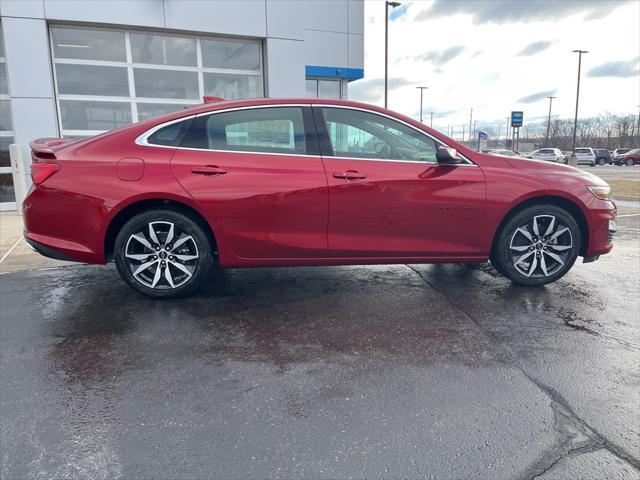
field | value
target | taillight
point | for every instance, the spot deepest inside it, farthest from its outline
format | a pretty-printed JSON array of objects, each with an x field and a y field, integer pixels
[{"x": 41, "y": 171}]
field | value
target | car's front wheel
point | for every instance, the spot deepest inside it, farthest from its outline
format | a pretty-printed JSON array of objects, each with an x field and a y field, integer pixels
[
  {"x": 538, "y": 245},
  {"x": 163, "y": 253},
  {"x": 630, "y": 162},
  {"x": 602, "y": 161}
]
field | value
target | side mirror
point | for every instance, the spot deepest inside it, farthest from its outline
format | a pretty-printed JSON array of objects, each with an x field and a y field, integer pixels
[{"x": 447, "y": 155}]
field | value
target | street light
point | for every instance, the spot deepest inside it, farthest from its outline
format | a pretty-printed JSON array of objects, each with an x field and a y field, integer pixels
[
  {"x": 549, "y": 121},
  {"x": 421, "y": 90},
  {"x": 386, "y": 46},
  {"x": 573, "y": 159},
  {"x": 431, "y": 121}
]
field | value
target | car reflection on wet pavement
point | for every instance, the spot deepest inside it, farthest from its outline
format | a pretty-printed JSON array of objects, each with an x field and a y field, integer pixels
[{"x": 399, "y": 371}]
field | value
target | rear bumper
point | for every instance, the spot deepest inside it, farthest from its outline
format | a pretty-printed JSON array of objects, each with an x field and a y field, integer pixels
[{"x": 48, "y": 251}]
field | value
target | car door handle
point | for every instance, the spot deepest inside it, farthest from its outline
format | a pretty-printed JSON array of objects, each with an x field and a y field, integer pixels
[
  {"x": 208, "y": 170},
  {"x": 349, "y": 175}
]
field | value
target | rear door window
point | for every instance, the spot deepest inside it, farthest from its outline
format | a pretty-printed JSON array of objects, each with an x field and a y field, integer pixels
[{"x": 262, "y": 130}]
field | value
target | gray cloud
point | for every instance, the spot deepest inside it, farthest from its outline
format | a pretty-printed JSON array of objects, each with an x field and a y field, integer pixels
[
  {"x": 440, "y": 57},
  {"x": 372, "y": 89},
  {"x": 535, "y": 47},
  {"x": 619, "y": 69},
  {"x": 537, "y": 96},
  {"x": 510, "y": 11}
]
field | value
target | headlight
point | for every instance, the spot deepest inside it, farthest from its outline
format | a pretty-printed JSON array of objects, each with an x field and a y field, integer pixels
[{"x": 601, "y": 191}]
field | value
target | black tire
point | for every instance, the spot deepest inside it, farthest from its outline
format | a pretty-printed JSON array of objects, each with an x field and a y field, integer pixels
[
  {"x": 547, "y": 270},
  {"x": 602, "y": 161},
  {"x": 630, "y": 162},
  {"x": 176, "y": 282}
]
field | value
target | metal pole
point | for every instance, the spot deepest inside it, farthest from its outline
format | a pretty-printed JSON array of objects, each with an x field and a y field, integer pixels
[
  {"x": 17, "y": 172},
  {"x": 386, "y": 51},
  {"x": 463, "y": 127},
  {"x": 638, "y": 130},
  {"x": 506, "y": 134},
  {"x": 386, "y": 47},
  {"x": 431, "y": 123},
  {"x": 498, "y": 141},
  {"x": 421, "y": 90},
  {"x": 546, "y": 144},
  {"x": 573, "y": 160},
  {"x": 470, "y": 122}
]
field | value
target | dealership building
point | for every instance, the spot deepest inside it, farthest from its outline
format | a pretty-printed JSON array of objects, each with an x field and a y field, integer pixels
[{"x": 76, "y": 68}]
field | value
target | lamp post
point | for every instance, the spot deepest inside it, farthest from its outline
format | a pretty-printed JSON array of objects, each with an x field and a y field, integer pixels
[
  {"x": 431, "y": 121},
  {"x": 386, "y": 46},
  {"x": 638, "y": 128},
  {"x": 573, "y": 160},
  {"x": 421, "y": 90},
  {"x": 546, "y": 144},
  {"x": 506, "y": 135}
]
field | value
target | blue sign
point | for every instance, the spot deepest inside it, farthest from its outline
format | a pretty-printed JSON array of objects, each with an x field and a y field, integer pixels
[
  {"x": 516, "y": 119},
  {"x": 482, "y": 136}
]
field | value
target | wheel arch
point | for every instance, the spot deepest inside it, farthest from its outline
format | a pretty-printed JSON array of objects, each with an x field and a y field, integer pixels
[
  {"x": 139, "y": 206},
  {"x": 570, "y": 206}
]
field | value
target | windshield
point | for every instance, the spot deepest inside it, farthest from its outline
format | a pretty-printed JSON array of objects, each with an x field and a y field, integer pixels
[
  {"x": 635, "y": 151},
  {"x": 582, "y": 150}
]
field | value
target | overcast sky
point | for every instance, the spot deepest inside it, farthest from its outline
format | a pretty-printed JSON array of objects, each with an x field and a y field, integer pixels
[{"x": 503, "y": 55}]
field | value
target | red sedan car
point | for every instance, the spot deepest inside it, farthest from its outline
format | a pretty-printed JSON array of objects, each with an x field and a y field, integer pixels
[
  {"x": 631, "y": 158},
  {"x": 281, "y": 182}
]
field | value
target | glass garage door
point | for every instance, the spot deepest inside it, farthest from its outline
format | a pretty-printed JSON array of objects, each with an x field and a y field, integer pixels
[
  {"x": 7, "y": 194},
  {"x": 109, "y": 78}
]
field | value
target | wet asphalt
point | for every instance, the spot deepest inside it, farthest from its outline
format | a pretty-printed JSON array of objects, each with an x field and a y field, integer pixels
[{"x": 444, "y": 372}]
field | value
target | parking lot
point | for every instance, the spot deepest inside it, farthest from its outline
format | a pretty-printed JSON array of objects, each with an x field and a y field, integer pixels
[{"x": 396, "y": 371}]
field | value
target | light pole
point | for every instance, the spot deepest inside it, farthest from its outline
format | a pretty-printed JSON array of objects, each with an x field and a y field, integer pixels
[
  {"x": 573, "y": 161},
  {"x": 638, "y": 128},
  {"x": 421, "y": 90},
  {"x": 431, "y": 121},
  {"x": 506, "y": 135},
  {"x": 386, "y": 46},
  {"x": 546, "y": 144},
  {"x": 470, "y": 122}
]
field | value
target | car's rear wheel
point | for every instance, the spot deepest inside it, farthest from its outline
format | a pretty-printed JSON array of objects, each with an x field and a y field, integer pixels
[
  {"x": 537, "y": 245},
  {"x": 602, "y": 161},
  {"x": 163, "y": 254},
  {"x": 630, "y": 162}
]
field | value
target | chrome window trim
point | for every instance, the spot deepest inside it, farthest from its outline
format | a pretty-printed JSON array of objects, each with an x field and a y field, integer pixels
[{"x": 142, "y": 140}]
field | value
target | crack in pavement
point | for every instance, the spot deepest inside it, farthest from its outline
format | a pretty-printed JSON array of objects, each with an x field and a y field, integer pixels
[{"x": 576, "y": 435}]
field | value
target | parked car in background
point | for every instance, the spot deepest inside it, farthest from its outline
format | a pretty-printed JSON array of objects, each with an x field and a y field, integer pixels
[
  {"x": 603, "y": 157},
  {"x": 619, "y": 151},
  {"x": 503, "y": 153},
  {"x": 285, "y": 182},
  {"x": 632, "y": 157},
  {"x": 585, "y": 156},
  {"x": 547, "y": 154}
]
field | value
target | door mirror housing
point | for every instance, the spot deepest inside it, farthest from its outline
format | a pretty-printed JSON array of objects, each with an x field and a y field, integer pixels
[{"x": 448, "y": 155}]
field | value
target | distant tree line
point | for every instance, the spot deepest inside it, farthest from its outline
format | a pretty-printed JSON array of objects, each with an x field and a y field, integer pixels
[{"x": 604, "y": 131}]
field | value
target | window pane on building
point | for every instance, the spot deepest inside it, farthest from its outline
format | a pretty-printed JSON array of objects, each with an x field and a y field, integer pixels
[
  {"x": 312, "y": 88},
  {"x": 4, "y": 151},
  {"x": 329, "y": 88},
  {"x": 4, "y": 81},
  {"x": 6, "y": 125},
  {"x": 230, "y": 55},
  {"x": 92, "y": 80},
  {"x": 231, "y": 87},
  {"x": 147, "y": 111},
  {"x": 163, "y": 50},
  {"x": 165, "y": 83},
  {"x": 86, "y": 44},
  {"x": 90, "y": 115}
]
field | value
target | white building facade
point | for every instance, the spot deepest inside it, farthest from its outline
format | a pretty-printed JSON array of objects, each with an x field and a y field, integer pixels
[{"x": 76, "y": 68}]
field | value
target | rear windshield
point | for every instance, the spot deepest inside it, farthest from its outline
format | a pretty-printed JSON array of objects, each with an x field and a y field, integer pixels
[{"x": 583, "y": 150}]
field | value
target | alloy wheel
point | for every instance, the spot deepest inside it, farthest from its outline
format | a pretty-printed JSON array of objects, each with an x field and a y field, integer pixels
[
  {"x": 161, "y": 255},
  {"x": 541, "y": 247}
]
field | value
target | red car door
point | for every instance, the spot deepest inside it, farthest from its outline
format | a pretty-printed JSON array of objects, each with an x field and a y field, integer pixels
[
  {"x": 387, "y": 194},
  {"x": 259, "y": 179}
]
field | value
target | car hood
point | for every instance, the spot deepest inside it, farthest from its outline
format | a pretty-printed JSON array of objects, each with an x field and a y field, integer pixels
[{"x": 544, "y": 168}]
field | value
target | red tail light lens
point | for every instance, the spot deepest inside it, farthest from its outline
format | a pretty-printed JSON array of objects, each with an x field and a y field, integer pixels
[{"x": 41, "y": 171}]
